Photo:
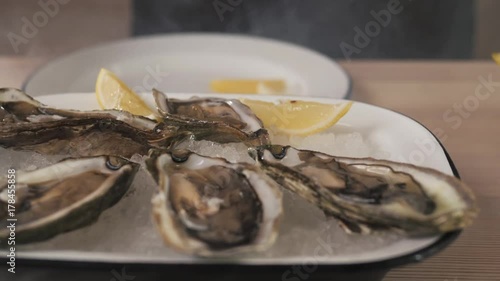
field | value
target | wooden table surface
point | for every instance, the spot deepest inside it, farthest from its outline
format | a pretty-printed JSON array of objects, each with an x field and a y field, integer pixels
[{"x": 424, "y": 91}]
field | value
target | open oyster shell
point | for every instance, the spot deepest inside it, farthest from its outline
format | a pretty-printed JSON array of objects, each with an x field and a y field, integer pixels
[
  {"x": 365, "y": 193},
  {"x": 27, "y": 124},
  {"x": 209, "y": 207},
  {"x": 229, "y": 111},
  {"x": 212, "y": 119},
  {"x": 62, "y": 197}
]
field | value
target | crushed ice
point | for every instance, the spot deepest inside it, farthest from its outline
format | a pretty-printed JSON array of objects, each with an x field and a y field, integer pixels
[
  {"x": 133, "y": 232},
  {"x": 233, "y": 152}
]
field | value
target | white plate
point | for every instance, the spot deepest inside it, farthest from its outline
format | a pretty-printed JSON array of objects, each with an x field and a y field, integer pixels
[
  {"x": 383, "y": 130},
  {"x": 188, "y": 62}
]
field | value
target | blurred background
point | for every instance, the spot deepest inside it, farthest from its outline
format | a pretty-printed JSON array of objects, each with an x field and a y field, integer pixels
[{"x": 424, "y": 29}]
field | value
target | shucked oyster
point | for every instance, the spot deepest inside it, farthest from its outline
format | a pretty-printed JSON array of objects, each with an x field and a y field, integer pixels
[
  {"x": 26, "y": 124},
  {"x": 209, "y": 207},
  {"x": 175, "y": 129},
  {"x": 62, "y": 197},
  {"x": 366, "y": 193},
  {"x": 213, "y": 119},
  {"x": 229, "y": 111}
]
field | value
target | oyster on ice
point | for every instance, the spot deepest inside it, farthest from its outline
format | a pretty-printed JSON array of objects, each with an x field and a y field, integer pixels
[
  {"x": 365, "y": 193},
  {"x": 236, "y": 121},
  {"x": 230, "y": 111},
  {"x": 62, "y": 197},
  {"x": 174, "y": 130},
  {"x": 209, "y": 207},
  {"x": 27, "y": 124}
]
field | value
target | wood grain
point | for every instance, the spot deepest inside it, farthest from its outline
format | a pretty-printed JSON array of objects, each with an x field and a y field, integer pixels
[{"x": 424, "y": 91}]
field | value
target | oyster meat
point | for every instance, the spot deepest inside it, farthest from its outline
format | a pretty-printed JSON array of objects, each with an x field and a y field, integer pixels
[
  {"x": 175, "y": 130},
  {"x": 234, "y": 120},
  {"x": 365, "y": 193},
  {"x": 27, "y": 124},
  {"x": 229, "y": 111},
  {"x": 206, "y": 206},
  {"x": 62, "y": 197},
  {"x": 209, "y": 207}
]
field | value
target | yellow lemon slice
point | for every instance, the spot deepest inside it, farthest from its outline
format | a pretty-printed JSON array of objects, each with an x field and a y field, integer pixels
[
  {"x": 113, "y": 93},
  {"x": 300, "y": 118},
  {"x": 496, "y": 57},
  {"x": 242, "y": 86}
]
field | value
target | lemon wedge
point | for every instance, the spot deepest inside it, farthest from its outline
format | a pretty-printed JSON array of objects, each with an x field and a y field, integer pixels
[
  {"x": 242, "y": 86},
  {"x": 496, "y": 57},
  {"x": 300, "y": 118},
  {"x": 113, "y": 93}
]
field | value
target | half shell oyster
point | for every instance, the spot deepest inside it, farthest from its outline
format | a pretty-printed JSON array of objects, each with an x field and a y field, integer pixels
[
  {"x": 27, "y": 124},
  {"x": 62, "y": 197},
  {"x": 365, "y": 193},
  {"x": 209, "y": 207},
  {"x": 229, "y": 111}
]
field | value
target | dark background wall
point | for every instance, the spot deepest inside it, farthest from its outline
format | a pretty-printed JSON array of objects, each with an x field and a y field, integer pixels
[
  {"x": 419, "y": 29},
  {"x": 424, "y": 29}
]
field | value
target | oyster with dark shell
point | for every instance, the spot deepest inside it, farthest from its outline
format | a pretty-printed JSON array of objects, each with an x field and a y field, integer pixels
[
  {"x": 207, "y": 206},
  {"x": 366, "y": 193},
  {"x": 228, "y": 111},
  {"x": 62, "y": 197},
  {"x": 27, "y": 124},
  {"x": 210, "y": 207}
]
